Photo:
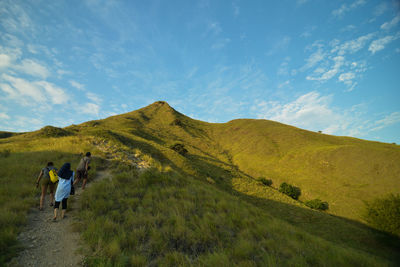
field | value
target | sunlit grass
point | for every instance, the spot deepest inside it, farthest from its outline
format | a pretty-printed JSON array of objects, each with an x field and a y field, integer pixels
[{"x": 165, "y": 219}]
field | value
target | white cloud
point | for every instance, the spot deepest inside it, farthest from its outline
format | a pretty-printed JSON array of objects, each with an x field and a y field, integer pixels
[
  {"x": 313, "y": 111},
  {"x": 380, "y": 44},
  {"x": 5, "y": 61},
  {"x": 352, "y": 46},
  {"x": 77, "y": 85},
  {"x": 312, "y": 60},
  {"x": 346, "y": 76},
  {"x": 345, "y": 8},
  {"x": 284, "y": 84},
  {"x": 89, "y": 108},
  {"x": 326, "y": 75},
  {"x": 55, "y": 94},
  {"x": 22, "y": 90},
  {"x": 33, "y": 68},
  {"x": 28, "y": 93},
  {"x": 390, "y": 24},
  {"x": 94, "y": 98},
  {"x": 388, "y": 120},
  {"x": 4, "y": 116},
  {"x": 310, "y": 111}
]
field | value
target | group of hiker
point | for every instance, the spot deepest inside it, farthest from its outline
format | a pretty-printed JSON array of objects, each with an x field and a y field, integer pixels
[{"x": 63, "y": 180}]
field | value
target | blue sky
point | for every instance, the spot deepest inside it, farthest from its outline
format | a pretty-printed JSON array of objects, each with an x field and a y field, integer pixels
[{"x": 332, "y": 66}]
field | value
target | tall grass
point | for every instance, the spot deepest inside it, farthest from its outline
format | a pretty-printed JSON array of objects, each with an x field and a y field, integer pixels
[{"x": 165, "y": 219}]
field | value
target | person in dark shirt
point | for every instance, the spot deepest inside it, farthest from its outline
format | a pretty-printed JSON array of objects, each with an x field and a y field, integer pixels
[
  {"x": 82, "y": 169},
  {"x": 44, "y": 180}
]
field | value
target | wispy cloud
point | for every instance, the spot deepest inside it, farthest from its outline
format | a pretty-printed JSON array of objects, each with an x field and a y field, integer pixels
[
  {"x": 380, "y": 44},
  {"x": 5, "y": 61},
  {"x": 310, "y": 111},
  {"x": 89, "y": 108},
  {"x": 390, "y": 24},
  {"x": 4, "y": 116},
  {"x": 388, "y": 120},
  {"x": 27, "y": 93},
  {"x": 77, "y": 85},
  {"x": 323, "y": 74},
  {"x": 315, "y": 112},
  {"x": 33, "y": 68},
  {"x": 344, "y": 8},
  {"x": 352, "y": 46},
  {"x": 94, "y": 97}
]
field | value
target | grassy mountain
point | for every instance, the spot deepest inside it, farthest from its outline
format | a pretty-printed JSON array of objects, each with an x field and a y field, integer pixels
[
  {"x": 341, "y": 170},
  {"x": 207, "y": 206}
]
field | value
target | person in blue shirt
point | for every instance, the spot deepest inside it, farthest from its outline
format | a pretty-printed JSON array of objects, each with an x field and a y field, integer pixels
[{"x": 65, "y": 181}]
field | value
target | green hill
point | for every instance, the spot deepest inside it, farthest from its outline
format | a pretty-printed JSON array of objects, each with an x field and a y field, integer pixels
[{"x": 208, "y": 207}]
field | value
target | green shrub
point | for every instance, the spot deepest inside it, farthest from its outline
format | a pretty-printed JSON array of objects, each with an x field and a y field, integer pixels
[
  {"x": 384, "y": 213},
  {"x": 180, "y": 148},
  {"x": 290, "y": 190},
  {"x": 265, "y": 181},
  {"x": 317, "y": 204}
]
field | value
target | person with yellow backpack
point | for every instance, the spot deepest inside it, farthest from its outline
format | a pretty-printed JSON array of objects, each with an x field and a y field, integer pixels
[{"x": 45, "y": 181}]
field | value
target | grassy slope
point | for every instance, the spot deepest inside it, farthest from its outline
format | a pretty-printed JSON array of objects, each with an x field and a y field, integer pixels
[{"x": 218, "y": 152}]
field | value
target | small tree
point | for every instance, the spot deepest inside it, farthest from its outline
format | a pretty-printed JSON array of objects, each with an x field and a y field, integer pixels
[
  {"x": 317, "y": 204},
  {"x": 290, "y": 190},
  {"x": 384, "y": 213},
  {"x": 265, "y": 181}
]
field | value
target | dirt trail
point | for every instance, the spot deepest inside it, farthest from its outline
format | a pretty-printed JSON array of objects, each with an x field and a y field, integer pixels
[{"x": 48, "y": 243}]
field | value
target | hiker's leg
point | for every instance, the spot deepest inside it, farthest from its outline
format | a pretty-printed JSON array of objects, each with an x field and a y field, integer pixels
[
  {"x": 64, "y": 207},
  {"x": 51, "y": 186},
  {"x": 56, "y": 206},
  {"x": 78, "y": 177},
  {"x": 84, "y": 183},
  {"x": 42, "y": 196}
]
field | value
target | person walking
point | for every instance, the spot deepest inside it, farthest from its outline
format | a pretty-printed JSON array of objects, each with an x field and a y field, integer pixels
[
  {"x": 45, "y": 182},
  {"x": 82, "y": 169},
  {"x": 66, "y": 179}
]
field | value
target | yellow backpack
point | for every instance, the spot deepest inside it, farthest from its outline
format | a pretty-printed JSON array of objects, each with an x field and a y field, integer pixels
[{"x": 53, "y": 176}]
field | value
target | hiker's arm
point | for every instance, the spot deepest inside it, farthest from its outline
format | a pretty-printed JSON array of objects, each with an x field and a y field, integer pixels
[{"x": 39, "y": 177}]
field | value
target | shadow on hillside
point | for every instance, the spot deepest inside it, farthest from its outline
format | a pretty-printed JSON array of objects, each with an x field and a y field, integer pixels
[{"x": 335, "y": 229}]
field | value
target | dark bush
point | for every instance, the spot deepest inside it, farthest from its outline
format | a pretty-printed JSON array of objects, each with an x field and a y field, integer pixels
[
  {"x": 317, "y": 204},
  {"x": 265, "y": 181},
  {"x": 290, "y": 190},
  {"x": 180, "y": 148},
  {"x": 384, "y": 213},
  {"x": 177, "y": 122}
]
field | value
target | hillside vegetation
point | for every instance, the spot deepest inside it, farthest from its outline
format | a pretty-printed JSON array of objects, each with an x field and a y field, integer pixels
[{"x": 207, "y": 206}]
